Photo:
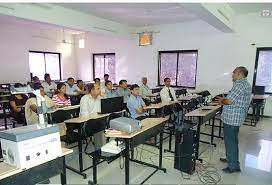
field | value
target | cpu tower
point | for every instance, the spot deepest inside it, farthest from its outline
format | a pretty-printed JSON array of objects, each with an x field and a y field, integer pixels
[{"x": 185, "y": 150}]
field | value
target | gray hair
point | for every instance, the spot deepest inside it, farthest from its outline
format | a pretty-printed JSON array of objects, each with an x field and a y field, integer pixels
[
  {"x": 144, "y": 78},
  {"x": 243, "y": 70}
]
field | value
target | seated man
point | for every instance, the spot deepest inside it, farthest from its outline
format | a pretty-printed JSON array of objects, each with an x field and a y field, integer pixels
[
  {"x": 135, "y": 103},
  {"x": 168, "y": 93},
  {"x": 91, "y": 103},
  {"x": 144, "y": 89},
  {"x": 109, "y": 91},
  {"x": 71, "y": 88},
  {"x": 49, "y": 85},
  {"x": 31, "y": 106},
  {"x": 123, "y": 90}
]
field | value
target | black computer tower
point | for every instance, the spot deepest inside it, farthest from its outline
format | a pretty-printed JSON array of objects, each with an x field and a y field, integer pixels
[{"x": 185, "y": 150}]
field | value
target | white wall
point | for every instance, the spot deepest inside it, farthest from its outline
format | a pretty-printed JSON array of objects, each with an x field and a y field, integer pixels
[
  {"x": 219, "y": 53},
  {"x": 15, "y": 43}
]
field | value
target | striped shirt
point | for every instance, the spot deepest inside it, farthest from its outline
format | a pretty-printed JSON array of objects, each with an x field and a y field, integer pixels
[
  {"x": 240, "y": 95},
  {"x": 61, "y": 102}
]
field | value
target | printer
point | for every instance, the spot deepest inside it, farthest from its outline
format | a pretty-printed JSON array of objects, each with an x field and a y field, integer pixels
[
  {"x": 125, "y": 124},
  {"x": 28, "y": 146}
]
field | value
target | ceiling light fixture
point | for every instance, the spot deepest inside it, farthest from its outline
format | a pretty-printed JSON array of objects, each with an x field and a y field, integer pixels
[{"x": 81, "y": 43}]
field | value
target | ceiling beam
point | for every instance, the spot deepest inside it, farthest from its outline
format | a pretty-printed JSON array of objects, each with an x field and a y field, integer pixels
[
  {"x": 218, "y": 15},
  {"x": 57, "y": 15}
]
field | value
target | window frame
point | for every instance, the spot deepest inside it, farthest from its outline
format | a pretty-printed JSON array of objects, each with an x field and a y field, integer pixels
[
  {"x": 101, "y": 54},
  {"x": 47, "y": 52},
  {"x": 256, "y": 66},
  {"x": 178, "y": 52}
]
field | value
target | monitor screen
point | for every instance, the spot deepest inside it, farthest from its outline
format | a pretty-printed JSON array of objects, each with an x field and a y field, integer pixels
[{"x": 110, "y": 105}]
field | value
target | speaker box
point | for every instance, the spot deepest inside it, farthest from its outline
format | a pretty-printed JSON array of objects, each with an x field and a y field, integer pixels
[{"x": 185, "y": 148}]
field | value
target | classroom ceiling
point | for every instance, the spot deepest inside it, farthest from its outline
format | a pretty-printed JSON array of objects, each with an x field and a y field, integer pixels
[
  {"x": 136, "y": 14},
  {"x": 245, "y": 8},
  {"x": 10, "y": 20}
]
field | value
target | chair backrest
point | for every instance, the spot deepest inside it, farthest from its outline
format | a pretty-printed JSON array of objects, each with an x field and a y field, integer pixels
[
  {"x": 62, "y": 115},
  {"x": 94, "y": 126},
  {"x": 182, "y": 92},
  {"x": 191, "y": 105}
]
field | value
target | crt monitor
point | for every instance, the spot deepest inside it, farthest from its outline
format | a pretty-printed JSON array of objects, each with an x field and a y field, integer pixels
[
  {"x": 110, "y": 105},
  {"x": 156, "y": 90},
  {"x": 259, "y": 90}
]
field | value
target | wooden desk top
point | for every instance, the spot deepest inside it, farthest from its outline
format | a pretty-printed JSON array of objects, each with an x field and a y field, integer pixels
[
  {"x": 4, "y": 95},
  {"x": 147, "y": 123},
  {"x": 160, "y": 105},
  {"x": 153, "y": 95},
  {"x": 7, "y": 170},
  {"x": 4, "y": 101},
  {"x": 201, "y": 112},
  {"x": 83, "y": 119},
  {"x": 63, "y": 108},
  {"x": 260, "y": 97},
  {"x": 187, "y": 98}
]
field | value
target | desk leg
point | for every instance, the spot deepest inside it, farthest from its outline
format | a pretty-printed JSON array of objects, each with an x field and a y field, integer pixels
[
  {"x": 63, "y": 174},
  {"x": 212, "y": 136},
  {"x": 127, "y": 162},
  {"x": 95, "y": 169},
  {"x": 80, "y": 160},
  {"x": 161, "y": 141},
  {"x": 198, "y": 138},
  {"x": 5, "y": 115}
]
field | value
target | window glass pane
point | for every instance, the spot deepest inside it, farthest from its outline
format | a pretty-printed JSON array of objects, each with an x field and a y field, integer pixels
[
  {"x": 99, "y": 66},
  {"x": 264, "y": 70},
  {"x": 187, "y": 69},
  {"x": 110, "y": 66},
  {"x": 36, "y": 64},
  {"x": 168, "y": 67},
  {"x": 52, "y": 66}
]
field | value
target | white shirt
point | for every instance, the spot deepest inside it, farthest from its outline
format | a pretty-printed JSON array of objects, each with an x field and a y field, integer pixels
[
  {"x": 165, "y": 94},
  {"x": 89, "y": 105},
  {"x": 49, "y": 88},
  {"x": 31, "y": 116}
]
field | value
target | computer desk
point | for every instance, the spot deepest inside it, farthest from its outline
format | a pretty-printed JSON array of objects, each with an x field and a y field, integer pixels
[
  {"x": 187, "y": 98},
  {"x": 34, "y": 175},
  {"x": 203, "y": 116},
  {"x": 78, "y": 123},
  {"x": 150, "y": 128}
]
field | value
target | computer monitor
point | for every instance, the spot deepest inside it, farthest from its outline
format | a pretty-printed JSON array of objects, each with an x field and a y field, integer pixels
[
  {"x": 110, "y": 105},
  {"x": 181, "y": 92},
  {"x": 156, "y": 90},
  {"x": 259, "y": 90}
]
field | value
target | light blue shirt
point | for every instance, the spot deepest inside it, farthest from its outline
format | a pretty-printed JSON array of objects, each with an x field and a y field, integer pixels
[
  {"x": 71, "y": 90},
  {"x": 110, "y": 94},
  {"x": 123, "y": 92},
  {"x": 133, "y": 103},
  {"x": 240, "y": 95}
]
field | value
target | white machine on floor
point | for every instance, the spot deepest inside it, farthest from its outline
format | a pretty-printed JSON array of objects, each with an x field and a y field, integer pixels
[{"x": 29, "y": 146}]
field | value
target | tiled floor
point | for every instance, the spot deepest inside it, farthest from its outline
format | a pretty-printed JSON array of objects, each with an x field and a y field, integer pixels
[{"x": 255, "y": 158}]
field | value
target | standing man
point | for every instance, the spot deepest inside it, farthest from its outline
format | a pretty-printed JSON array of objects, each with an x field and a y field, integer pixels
[
  {"x": 168, "y": 93},
  {"x": 144, "y": 89},
  {"x": 235, "y": 108}
]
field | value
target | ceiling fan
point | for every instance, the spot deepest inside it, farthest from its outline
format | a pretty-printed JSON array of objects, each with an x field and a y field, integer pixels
[{"x": 63, "y": 41}]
